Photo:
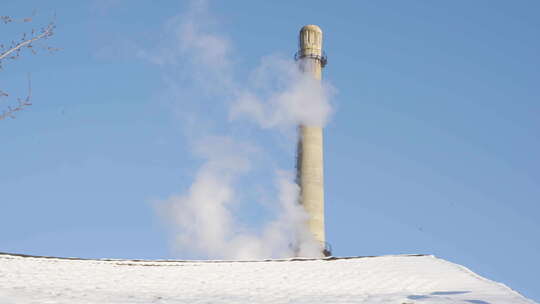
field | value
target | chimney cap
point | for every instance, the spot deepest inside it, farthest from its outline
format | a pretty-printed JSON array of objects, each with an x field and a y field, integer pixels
[{"x": 311, "y": 27}]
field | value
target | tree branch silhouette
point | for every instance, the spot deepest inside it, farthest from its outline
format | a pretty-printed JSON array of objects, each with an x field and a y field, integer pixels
[{"x": 13, "y": 51}]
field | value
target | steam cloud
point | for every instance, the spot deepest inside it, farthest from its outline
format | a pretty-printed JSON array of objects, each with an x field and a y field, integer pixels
[
  {"x": 281, "y": 96},
  {"x": 277, "y": 98}
]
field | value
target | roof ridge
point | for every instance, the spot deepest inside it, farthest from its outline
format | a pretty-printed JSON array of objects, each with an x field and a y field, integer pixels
[{"x": 295, "y": 259}]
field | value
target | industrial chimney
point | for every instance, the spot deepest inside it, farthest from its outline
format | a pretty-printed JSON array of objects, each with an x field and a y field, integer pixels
[{"x": 309, "y": 161}]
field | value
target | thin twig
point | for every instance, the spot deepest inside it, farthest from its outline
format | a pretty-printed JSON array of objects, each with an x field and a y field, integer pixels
[
  {"x": 21, "y": 103},
  {"x": 46, "y": 32},
  {"x": 13, "y": 51}
]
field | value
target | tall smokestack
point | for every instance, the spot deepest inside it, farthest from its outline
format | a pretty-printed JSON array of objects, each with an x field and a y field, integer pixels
[{"x": 309, "y": 162}]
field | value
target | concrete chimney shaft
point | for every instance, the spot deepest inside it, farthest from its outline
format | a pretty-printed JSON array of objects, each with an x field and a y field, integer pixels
[{"x": 309, "y": 164}]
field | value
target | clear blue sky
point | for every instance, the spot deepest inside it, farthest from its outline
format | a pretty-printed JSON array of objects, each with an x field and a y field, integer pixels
[{"x": 433, "y": 149}]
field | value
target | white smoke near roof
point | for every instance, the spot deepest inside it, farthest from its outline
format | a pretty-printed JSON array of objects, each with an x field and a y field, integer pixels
[{"x": 204, "y": 218}]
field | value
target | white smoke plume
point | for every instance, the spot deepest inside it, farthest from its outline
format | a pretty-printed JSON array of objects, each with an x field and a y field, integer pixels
[
  {"x": 205, "y": 218},
  {"x": 280, "y": 95}
]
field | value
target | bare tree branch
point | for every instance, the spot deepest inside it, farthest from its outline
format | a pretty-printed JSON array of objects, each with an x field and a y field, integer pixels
[
  {"x": 21, "y": 103},
  {"x": 13, "y": 51},
  {"x": 47, "y": 32}
]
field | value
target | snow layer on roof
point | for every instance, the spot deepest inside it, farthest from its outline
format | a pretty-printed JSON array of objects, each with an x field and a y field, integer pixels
[{"x": 386, "y": 279}]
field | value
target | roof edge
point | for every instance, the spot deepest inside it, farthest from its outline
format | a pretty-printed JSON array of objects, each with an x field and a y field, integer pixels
[{"x": 295, "y": 259}]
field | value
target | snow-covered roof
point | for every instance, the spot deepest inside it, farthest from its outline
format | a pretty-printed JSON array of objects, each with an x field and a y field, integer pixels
[{"x": 386, "y": 279}]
